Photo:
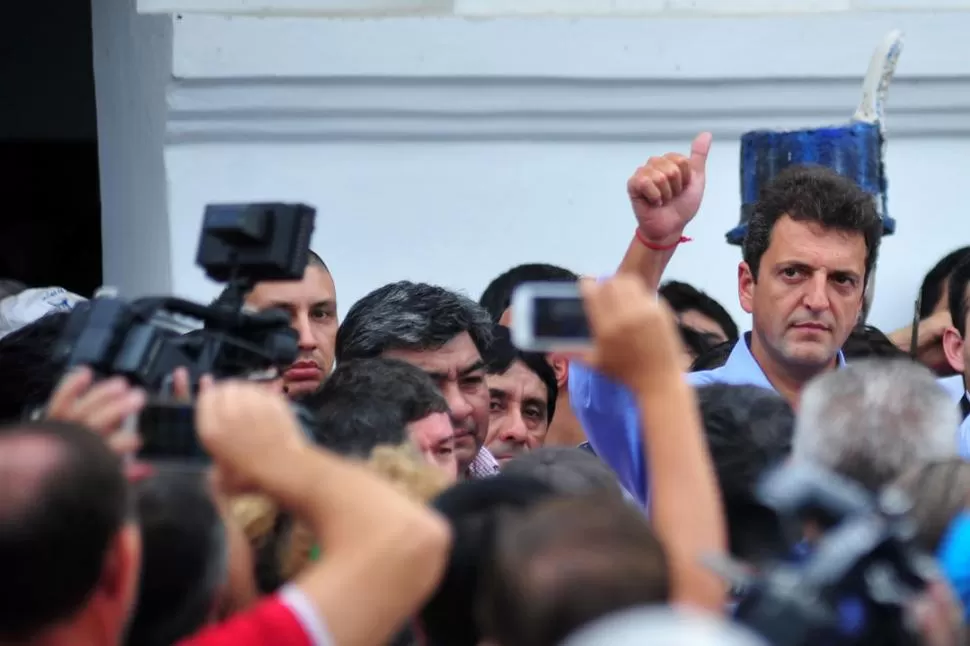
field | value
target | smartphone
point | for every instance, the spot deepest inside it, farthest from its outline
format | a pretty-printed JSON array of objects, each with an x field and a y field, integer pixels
[
  {"x": 167, "y": 431},
  {"x": 549, "y": 316}
]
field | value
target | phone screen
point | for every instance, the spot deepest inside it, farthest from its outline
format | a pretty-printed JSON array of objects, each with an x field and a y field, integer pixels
[
  {"x": 168, "y": 434},
  {"x": 560, "y": 317}
]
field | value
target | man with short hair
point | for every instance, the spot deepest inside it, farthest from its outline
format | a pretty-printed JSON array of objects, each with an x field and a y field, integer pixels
[
  {"x": 70, "y": 550},
  {"x": 698, "y": 311},
  {"x": 522, "y": 398},
  {"x": 874, "y": 420},
  {"x": 956, "y": 345},
  {"x": 312, "y": 305},
  {"x": 811, "y": 245},
  {"x": 443, "y": 333},
  {"x": 565, "y": 430},
  {"x": 371, "y": 402},
  {"x": 934, "y": 315}
]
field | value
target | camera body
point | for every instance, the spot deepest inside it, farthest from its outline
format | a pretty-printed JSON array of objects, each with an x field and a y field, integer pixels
[
  {"x": 855, "y": 583},
  {"x": 240, "y": 245}
]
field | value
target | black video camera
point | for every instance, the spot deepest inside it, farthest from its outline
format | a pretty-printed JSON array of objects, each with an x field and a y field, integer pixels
[
  {"x": 240, "y": 245},
  {"x": 854, "y": 583}
]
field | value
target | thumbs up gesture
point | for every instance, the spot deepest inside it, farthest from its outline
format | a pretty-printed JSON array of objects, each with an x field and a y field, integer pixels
[{"x": 666, "y": 192}]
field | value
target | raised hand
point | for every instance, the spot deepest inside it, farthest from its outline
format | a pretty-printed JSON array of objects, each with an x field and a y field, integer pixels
[{"x": 666, "y": 192}]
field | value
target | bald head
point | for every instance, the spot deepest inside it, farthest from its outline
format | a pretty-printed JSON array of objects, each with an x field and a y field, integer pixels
[{"x": 63, "y": 502}]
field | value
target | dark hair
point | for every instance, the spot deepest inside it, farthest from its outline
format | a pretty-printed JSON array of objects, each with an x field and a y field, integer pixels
[
  {"x": 569, "y": 471},
  {"x": 184, "y": 558},
  {"x": 498, "y": 295},
  {"x": 56, "y": 528},
  {"x": 867, "y": 341},
  {"x": 369, "y": 402},
  {"x": 931, "y": 290},
  {"x": 29, "y": 373},
  {"x": 683, "y": 298},
  {"x": 410, "y": 316},
  {"x": 715, "y": 357},
  {"x": 749, "y": 430},
  {"x": 502, "y": 354},
  {"x": 697, "y": 343},
  {"x": 959, "y": 296},
  {"x": 812, "y": 194},
  {"x": 566, "y": 563},
  {"x": 473, "y": 509}
]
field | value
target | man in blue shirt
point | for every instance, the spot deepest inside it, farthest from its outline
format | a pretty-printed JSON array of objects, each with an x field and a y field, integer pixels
[{"x": 812, "y": 243}]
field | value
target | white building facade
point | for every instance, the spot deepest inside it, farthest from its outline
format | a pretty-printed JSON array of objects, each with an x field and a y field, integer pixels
[{"x": 446, "y": 141}]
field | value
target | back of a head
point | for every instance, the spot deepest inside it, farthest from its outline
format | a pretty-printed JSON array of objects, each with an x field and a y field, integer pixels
[
  {"x": 934, "y": 283},
  {"x": 184, "y": 558},
  {"x": 369, "y": 402},
  {"x": 567, "y": 562},
  {"x": 498, "y": 295},
  {"x": 473, "y": 509},
  {"x": 659, "y": 626},
  {"x": 813, "y": 194},
  {"x": 868, "y": 342},
  {"x": 29, "y": 376},
  {"x": 409, "y": 316},
  {"x": 749, "y": 431},
  {"x": 568, "y": 471},
  {"x": 683, "y": 297},
  {"x": 874, "y": 419},
  {"x": 939, "y": 491},
  {"x": 63, "y": 503},
  {"x": 959, "y": 296}
]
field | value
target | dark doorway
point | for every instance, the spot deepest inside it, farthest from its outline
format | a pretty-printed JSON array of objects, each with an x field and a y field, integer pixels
[{"x": 50, "y": 226}]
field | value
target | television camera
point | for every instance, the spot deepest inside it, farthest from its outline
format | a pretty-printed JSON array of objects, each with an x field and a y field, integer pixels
[
  {"x": 854, "y": 583},
  {"x": 240, "y": 245}
]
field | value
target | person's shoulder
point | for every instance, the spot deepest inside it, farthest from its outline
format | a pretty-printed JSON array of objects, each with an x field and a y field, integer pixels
[{"x": 705, "y": 377}]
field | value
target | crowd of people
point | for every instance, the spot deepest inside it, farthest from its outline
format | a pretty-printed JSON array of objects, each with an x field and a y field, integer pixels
[{"x": 452, "y": 489}]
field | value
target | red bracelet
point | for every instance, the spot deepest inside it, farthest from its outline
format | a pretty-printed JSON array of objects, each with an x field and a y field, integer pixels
[{"x": 660, "y": 247}]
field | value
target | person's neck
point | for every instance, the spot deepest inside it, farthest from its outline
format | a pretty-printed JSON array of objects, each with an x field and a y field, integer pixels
[
  {"x": 565, "y": 429},
  {"x": 786, "y": 380}
]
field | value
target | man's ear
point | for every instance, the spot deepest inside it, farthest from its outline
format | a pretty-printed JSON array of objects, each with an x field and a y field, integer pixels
[
  {"x": 560, "y": 366},
  {"x": 953, "y": 349},
  {"x": 746, "y": 283}
]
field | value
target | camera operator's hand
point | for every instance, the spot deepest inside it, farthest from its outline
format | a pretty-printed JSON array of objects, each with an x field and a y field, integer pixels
[
  {"x": 937, "y": 616},
  {"x": 250, "y": 433},
  {"x": 634, "y": 333},
  {"x": 103, "y": 407}
]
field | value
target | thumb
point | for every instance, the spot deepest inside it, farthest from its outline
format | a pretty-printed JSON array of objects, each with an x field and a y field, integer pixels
[{"x": 698, "y": 151}]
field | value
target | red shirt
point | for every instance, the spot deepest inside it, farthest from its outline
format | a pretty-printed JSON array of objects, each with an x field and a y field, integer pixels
[{"x": 285, "y": 619}]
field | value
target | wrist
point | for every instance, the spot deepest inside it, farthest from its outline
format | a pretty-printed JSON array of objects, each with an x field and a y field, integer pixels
[{"x": 666, "y": 243}]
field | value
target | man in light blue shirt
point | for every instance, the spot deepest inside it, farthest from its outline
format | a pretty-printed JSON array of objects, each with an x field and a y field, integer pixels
[{"x": 811, "y": 245}]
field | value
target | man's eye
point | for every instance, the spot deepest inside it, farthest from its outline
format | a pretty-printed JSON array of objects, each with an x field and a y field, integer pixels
[{"x": 495, "y": 405}]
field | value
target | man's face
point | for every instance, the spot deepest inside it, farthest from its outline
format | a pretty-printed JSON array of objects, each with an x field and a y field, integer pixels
[
  {"x": 519, "y": 410},
  {"x": 703, "y": 324},
  {"x": 312, "y": 306},
  {"x": 458, "y": 370},
  {"x": 808, "y": 295},
  {"x": 434, "y": 436}
]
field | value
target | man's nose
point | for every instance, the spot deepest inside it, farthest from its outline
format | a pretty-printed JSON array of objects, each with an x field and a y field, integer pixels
[
  {"x": 301, "y": 323},
  {"x": 817, "y": 296},
  {"x": 457, "y": 404},
  {"x": 514, "y": 429}
]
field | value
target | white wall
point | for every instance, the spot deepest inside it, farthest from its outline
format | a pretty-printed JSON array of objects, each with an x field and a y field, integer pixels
[
  {"x": 459, "y": 214},
  {"x": 448, "y": 149}
]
